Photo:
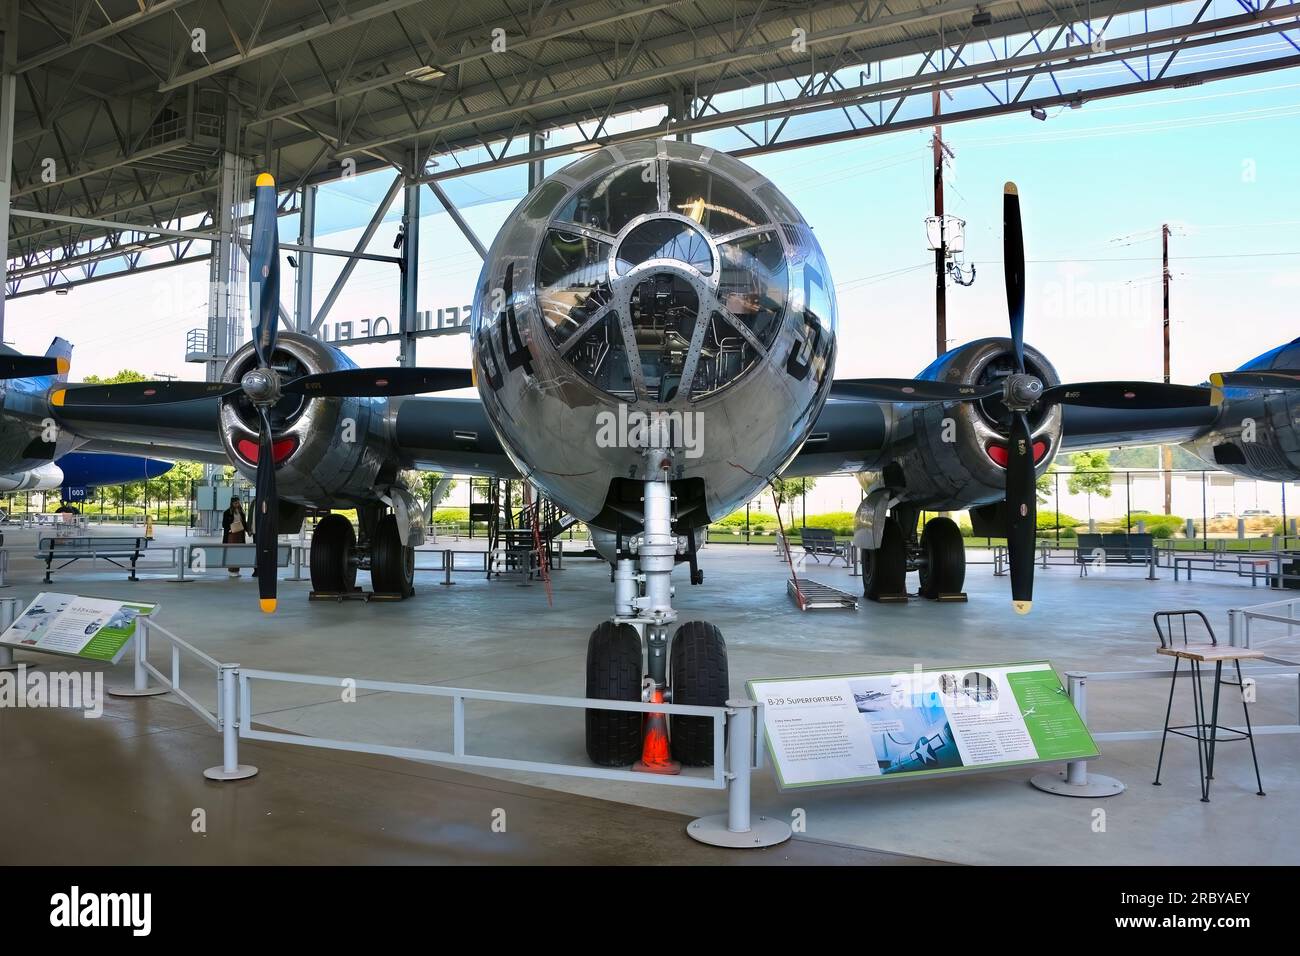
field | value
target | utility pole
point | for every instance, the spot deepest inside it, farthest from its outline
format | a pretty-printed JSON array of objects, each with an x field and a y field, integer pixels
[
  {"x": 940, "y": 253},
  {"x": 1167, "y": 451}
]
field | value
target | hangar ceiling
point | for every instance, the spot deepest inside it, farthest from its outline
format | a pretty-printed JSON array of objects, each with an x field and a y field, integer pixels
[{"x": 122, "y": 108}]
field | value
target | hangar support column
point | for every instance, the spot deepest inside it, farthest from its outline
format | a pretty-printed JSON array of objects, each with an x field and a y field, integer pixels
[
  {"x": 223, "y": 285},
  {"x": 306, "y": 237},
  {"x": 408, "y": 321}
]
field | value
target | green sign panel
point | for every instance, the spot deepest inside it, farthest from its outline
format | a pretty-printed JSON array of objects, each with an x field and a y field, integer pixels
[{"x": 933, "y": 720}]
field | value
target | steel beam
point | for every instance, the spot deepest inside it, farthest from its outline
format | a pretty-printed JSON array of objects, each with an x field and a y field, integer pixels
[
  {"x": 410, "y": 271},
  {"x": 457, "y": 218},
  {"x": 351, "y": 264},
  {"x": 304, "y": 278}
]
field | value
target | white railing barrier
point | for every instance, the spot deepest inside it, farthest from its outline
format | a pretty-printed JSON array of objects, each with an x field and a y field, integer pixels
[
  {"x": 1239, "y": 619},
  {"x": 10, "y": 608},
  {"x": 733, "y": 740},
  {"x": 226, "y": 719}
]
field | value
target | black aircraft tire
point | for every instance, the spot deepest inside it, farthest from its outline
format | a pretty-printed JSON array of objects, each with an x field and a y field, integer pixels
[
  {"x": 698, "y": 674},
  {"x": 332, "y": 568},
  {"x": 884, "y": 569},
  {"x": 392, "y": 564},
  {"x": 944, "y": 569},
  {"x": 614, "y": 673}
]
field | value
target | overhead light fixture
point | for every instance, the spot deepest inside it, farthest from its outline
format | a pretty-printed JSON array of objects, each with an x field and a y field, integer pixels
[
  {"x": 401, "y": 237},
  {"x": 1076, "y": 101},
  {"x": 423, "y": 74},
  {"x": 62, "y": 290},
  {"x": 981, "y": 18},
  {"x": 1038, "y": 113},
  {"x": 293, "y": 263}
]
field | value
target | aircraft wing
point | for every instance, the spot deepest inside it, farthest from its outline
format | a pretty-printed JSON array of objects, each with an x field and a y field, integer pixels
[
  {"x": 453, "y": 435},
  {"x": 187, "y": 430},
  {"x": 1116, "y": 427},
  {"x": 850, "y": 435}
]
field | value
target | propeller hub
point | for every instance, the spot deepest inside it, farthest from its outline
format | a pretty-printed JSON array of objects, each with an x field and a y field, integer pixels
[
  {"x": 1022, "y": 392},
  {"x": 262, "y": 386}
]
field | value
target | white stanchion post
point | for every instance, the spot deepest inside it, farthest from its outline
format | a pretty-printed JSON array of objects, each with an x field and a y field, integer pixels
[
  {"x": 10, "y": 608},
  {"x": 735, "y": 828},
  {"x": 139, "y": 677},
  {"x": 231, "y": 768},
  {"x": 1075, "y": 781}
]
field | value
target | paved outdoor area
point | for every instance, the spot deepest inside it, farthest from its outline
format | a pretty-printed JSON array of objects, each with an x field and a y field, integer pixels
[{"x": 503, "y": 636}]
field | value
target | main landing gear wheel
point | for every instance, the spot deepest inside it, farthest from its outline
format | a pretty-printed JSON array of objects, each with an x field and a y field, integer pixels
[
  {"x": 884, "y": 569},
  {"x": 944, "y": 568},
  {"x": 614, "y": 673},
  {"x": 332, "y": 544},
  {"x": 392, "y": 564},
  {"x": 697, "y": 661}
]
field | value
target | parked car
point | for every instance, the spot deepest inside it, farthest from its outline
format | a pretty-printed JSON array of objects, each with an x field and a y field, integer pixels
[{"x": 1257, "y": 513}]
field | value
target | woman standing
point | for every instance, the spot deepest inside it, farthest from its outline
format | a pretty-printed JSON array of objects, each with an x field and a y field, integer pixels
[{"x": 233, "y": 527}]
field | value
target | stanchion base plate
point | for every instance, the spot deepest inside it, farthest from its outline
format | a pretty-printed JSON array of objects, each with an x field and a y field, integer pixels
[
  {"x": 132, "y": 692},
  {"x": 241, "y": 772},
  {"x": 1097, "y": 785},
  {"x": 763, "y": 831}
]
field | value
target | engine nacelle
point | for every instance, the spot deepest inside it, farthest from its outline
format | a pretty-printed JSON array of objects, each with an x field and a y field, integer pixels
[
  {"x": 328, "y": 451},
  {"x": 953, "y": 456},
  {"x": 1255, "y": 436}
]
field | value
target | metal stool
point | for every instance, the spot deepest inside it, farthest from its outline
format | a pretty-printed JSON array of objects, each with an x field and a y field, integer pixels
[{"x": 1196, "y": 655}]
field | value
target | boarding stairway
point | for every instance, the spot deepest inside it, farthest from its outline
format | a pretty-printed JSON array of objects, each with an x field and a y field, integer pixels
[{"x": 525, "y": 541}]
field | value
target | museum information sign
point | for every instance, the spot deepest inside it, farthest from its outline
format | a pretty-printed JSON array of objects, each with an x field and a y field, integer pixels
[
  {"x": 824, "y": 730},
  {"x": 92, "y": 628}
]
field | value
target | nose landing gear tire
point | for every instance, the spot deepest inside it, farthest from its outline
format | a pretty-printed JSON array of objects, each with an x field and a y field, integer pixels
[
  {"x": 614, "y": 673},
  {"x": 884, "y": 569},
  {"x": 944, "y": 568},
  {"x": 697, "y": 662},
  {"x": 392, "y": 564},
  {"x": 333, "y": 571}
]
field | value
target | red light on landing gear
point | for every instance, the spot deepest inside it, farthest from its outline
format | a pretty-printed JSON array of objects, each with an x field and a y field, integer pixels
[
  {"x": 1001, "y": 457},
  {"x": 280, "y": 450}
]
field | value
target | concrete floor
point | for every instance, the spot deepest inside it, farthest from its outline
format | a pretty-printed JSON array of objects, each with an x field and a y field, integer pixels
[{"x": 498, "y": 635}]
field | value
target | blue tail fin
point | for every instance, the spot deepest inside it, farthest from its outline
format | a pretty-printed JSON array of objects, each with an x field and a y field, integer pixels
[{"x": 60, "y": 348}]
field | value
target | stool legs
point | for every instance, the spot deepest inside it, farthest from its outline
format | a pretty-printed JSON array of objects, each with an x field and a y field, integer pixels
[
  {"x": 1249, "y": 733},
  {"x": 1198, "y": 711},
  {"x": 1173, "y": 682}
]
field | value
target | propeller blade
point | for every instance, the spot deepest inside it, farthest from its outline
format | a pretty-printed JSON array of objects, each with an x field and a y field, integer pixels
[
  {"x": 908, "y": 390},
  {"x": 265, "y": 520},
  {"x": 139, "y": 393},
  {"x": 1013, "y": 266},
  {"x": 1128, "y": 395},
  {"x": 1280, "y": 379},
  {"x": 374, "y": 382},
  {"x": 1022, "y": 513},
  {"x": 31, "y": 366},
  {"x": 264, "y": 270}
]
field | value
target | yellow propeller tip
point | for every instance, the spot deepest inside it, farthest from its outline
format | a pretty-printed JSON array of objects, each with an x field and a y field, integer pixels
[
  {"x": 57, "y": 396},
  {"x": 1010, "y": 189},
  {"x": 62, "y": 365},
  {"x": 268, "y": 605},
  {"x": 265, "y": 179},
  {"x": 1022, "y": 607}
]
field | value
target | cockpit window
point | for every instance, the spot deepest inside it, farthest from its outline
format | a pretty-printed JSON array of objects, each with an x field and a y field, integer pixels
[
  {"x": 664, "y": 239},
  {"x": 717, "y": 204},
  {"x": 611, "y": 201},
  {"x": 753, "y": 282},
  {"x": 572, "y": 281}
]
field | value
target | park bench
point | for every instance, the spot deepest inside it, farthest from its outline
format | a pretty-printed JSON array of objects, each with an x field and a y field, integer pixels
[
  {"x": 1114, "y": 548},
  {"x": 114, "y": 550},
  {"x": 821, "y": 541}
]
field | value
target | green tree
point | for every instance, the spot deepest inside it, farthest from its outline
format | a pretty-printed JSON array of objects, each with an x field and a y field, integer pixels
[
  {"x": 1045, "y": 485},
  {"x": 1092, "y": 475},
  {"x": 125, "y": 375},
  {"x": 789, "y": 490}
]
